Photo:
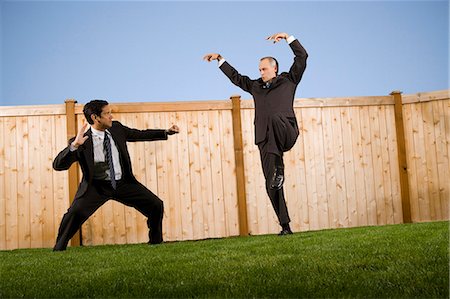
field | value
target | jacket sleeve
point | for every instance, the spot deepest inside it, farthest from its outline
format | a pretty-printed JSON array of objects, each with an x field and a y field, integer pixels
[
  {"x": 143, "y": 135},
  {"x": 237, "y": 79},
  {"x": 298, "y": 67},
  {"x": 65, "y": 158}
]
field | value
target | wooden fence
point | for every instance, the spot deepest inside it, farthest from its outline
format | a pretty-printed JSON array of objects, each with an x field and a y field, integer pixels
[{"x": 358, "y": 161}]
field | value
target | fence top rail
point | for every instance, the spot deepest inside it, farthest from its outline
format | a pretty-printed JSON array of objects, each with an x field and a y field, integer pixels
[
  {"x": 426, "y": 96},
  {"x": 56, "y": 109},
  {"x": 60, "y": 109},
  {"x": 165, "y": 107},
  {"x": 332, "y": 102}
]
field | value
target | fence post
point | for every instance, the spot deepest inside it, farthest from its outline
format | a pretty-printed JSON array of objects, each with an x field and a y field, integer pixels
[
  {"x": 239, "y": 160},
  {"x": 71, "y": 122},
  {"x": 401, "y": 150}
]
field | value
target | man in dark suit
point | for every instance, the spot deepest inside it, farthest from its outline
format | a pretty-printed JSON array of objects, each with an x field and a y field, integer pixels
[
  {"x": 103, "y": 156},
  {"x": 276, "y": 128}
]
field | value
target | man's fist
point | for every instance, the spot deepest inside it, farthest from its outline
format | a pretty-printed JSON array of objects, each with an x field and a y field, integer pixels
[
  {"x": 212, "y": 56},
  {"x": 173, "y": 130}
]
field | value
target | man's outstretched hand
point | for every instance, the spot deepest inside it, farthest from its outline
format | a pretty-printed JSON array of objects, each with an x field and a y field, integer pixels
[
  {"x": 212, "y": 56},
  {"x": 80, "y": 138},
  {"x": 278, "y": 36},
  {"x": 173, "y": 130}
]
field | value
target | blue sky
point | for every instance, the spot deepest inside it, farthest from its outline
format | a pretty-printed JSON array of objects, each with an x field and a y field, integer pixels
[{"x": 147, "y": 51}]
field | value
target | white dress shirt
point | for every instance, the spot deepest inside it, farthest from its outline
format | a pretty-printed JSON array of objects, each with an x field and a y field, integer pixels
[{"x": 99, "y": 154}]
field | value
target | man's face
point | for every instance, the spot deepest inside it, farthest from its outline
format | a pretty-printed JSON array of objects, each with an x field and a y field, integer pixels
[
  {"x": 104, "y": 120},
  {"x": 266, "y": 70}
]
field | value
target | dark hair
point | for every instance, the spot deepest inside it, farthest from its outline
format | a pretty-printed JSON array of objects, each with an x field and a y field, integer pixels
[
  {"x": 93, "y": 107},
  {"x": 272, "y": 61}
]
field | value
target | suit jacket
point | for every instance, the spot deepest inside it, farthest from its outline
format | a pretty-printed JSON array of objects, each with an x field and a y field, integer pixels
[
  {"x": 85, "y": 153},
  {"x": 279, "y": 97}
]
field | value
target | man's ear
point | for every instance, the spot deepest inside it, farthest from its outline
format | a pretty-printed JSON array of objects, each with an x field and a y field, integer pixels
[{"x": 93, "y": 117}]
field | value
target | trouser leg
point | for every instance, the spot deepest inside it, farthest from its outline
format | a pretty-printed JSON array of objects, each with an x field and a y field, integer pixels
[
  {"x": 282, "y": 133},
  {"x": 138, "y": 196},
  {"x": 268, "y": 162},
  {"x": 76, "y": 215}
]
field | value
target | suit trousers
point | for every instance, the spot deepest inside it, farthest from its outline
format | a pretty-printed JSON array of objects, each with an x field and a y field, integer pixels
[
  {"x": 132, "y": 194},
  {"x": 282, "y": 133}
]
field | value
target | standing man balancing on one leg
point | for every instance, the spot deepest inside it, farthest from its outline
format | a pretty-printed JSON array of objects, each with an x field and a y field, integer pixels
[
  {"x": 276, "y": 128},
  {"x": 105, "y": 162}
]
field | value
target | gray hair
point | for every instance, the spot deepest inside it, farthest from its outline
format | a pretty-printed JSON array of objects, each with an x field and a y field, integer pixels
[{"x": 273, "y": 62}]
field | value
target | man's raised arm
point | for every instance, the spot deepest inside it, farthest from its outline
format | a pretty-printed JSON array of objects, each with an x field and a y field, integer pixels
[
  {"x": 237, "y": 79},
  {"x": 298, "y": 67}
]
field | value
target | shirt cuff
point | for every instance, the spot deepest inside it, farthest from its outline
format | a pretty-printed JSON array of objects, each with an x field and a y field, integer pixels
[
  {"x": 221, "y": 61},
  {"x": 72, "y": 148},
  {"x": 290, "y": 39}
]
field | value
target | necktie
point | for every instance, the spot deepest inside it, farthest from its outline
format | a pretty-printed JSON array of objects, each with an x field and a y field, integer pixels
[{"x": 108, "y": 157}]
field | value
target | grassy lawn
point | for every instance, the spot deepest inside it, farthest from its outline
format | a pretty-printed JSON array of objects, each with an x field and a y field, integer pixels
[{"x": 408, "y": 260}]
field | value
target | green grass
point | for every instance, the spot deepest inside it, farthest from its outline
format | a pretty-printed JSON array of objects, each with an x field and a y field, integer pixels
[{"x": 396, "y": 261}]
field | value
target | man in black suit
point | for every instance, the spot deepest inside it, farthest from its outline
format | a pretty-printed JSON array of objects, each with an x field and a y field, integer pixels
[
  {"x": 276, "y": 128},
  {"x": 105, "y": 162}
]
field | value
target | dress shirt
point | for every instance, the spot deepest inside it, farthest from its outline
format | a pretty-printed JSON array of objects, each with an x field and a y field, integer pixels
[{"x": 99, "y": 154}]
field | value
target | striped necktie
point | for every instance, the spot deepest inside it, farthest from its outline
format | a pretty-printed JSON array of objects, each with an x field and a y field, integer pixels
[{"x": 108, "y": 157}]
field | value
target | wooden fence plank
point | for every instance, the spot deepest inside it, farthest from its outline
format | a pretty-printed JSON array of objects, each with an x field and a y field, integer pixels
[
  {"x": 349, "y": 166},
  {"x": 386, "y": 169},
  {"x": 368, "y": 166},
  {"x": 205, "y": 175},
  {"x": 35, "y": 165},
  {"x": 411, "y": 162},
  {"x": 162, "y": 157},
  {"x": 12, "y": 233},
  {"x": 358, "y": 157},
  {"x": 185, "y": 204},
  {"x": 131, "y": 215},
  {"x": 301, "y": 203},
  {"x": 46, "y": 141},
  {"x": 174, "y": 175},
  {"x": 60, "y": 178},
  {"x": 215, "y": 131},
  {"x": 23, "y": 183},
  {"x": 3, "y": 184},
  {"x": 339, "y": 164},
  {"x": 330, "y": 168},
  {"x": 445, "y": 199},
  {"x": 229, "y": 172},
  {"x": 311, "y": 185},
  {"x": 441, "y": 157},
  {"x": 377, "y": 164},
  {"x": 321, "y": 182},
  {"x": 139, "y": 165},
  {"x": 431, "y": 161},
  {"x": 291, "y": 186},
  {"x": 394, "y": 177},
  {"x": 419, "y": 145},
  {"x": 195, "y": 177}
]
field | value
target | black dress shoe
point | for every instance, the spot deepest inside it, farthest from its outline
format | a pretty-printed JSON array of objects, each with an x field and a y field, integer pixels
[
  {"x": 155, "y": 240},
  {"x": 284, "y": 232},
  {"x": 59, "y": 249},
  {"x": 277, "y": 178}
]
